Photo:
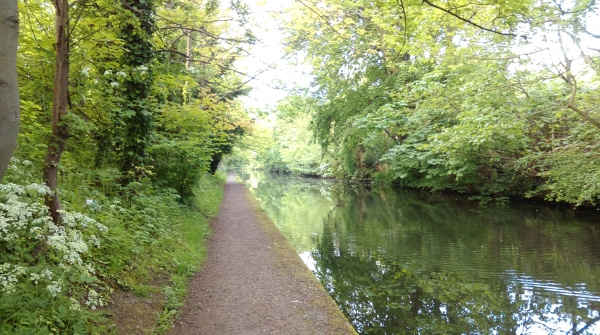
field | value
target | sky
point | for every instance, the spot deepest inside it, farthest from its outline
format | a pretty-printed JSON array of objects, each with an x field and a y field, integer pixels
[{"x": 267, "y": 59}]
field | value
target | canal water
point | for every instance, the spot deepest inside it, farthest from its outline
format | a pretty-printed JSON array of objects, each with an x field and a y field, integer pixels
[{"x": 409, "y": 262}]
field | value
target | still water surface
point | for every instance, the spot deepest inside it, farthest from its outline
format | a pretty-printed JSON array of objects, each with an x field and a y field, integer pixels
[{"x": 406, "y": 262}]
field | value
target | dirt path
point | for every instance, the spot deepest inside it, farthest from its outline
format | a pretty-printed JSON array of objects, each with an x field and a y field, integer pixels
[{"x": 253, "y": 282}]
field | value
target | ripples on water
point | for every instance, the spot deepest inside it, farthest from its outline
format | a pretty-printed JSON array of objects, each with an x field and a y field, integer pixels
[{"x": 403, "y": 262}]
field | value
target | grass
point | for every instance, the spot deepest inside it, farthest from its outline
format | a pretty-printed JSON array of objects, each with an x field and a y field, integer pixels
[
  {"x": 140, "y": 262},
  {"x": 190, "y": 250},
  {"x": 163, "y": 270}
]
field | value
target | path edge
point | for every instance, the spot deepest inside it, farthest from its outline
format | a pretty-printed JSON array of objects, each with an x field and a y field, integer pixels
[{"x": 290, "y": 263}]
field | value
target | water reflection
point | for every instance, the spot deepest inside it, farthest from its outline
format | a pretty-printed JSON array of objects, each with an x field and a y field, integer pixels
[{"x": 402, "y": 262}]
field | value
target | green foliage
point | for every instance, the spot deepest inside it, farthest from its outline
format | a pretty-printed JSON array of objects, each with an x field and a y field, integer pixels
[
  {"x": 144, "y": 128},
  {"x": 572, "y": 175},
  {"x": 179, "y": 165},
  {"x": 181, "y": 152},
  {"x": 53, "y": 277},
  {"x": 189, "y": 138},
  {"x": 296, "y": 147},
  {"x": 135, "y": 111},
  {"x": 286, "y": 146},
  {"x": 48, "y": 276},
  {"x": 450, "y": 96}
]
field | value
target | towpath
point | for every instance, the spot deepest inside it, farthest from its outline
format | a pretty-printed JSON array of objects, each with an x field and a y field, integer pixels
[{"x": 253, "y": 282}]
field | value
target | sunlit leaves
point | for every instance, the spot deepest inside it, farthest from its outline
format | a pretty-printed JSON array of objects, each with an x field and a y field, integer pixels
[{"x": 460, "y": 95}]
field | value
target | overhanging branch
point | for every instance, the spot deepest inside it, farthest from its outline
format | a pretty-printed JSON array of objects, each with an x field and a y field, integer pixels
[
  {"x": 571, "y": 102},
  {"x": 445, "y": 10}
]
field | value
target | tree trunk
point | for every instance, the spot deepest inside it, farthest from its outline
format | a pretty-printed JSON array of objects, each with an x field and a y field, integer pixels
[
  {"x": 59, "y": 108},
  {"x": 9, "y": 89},
  {"x": 139, "y": 121},
  {"x": 188, "y": 49}
]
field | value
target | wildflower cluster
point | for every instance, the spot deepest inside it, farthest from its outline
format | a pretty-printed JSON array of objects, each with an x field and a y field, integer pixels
[{"x": 27, "y": 229}]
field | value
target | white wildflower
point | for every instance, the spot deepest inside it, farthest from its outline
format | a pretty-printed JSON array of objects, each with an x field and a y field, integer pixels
[
  {"x": 114, "y": 84},
  {"x": 58, "y": 242},
  {"x": 39, "y": 189},
  {"x": 93, "y": 240},
  {"x": 35, "y": 277},
  {"x": 94, "y": 300},
  {"x": 94, "y": 205},
  {"x": 142, "y": 69},
  {"x": 107, "y": 72},
  {"x": 9, "y": 276},
  {"x": 102, "y": 228},
  {"x": 122, "y": 74},
  {"x": 90, "y": 269},
  {"x": 55, "y": 288},
  {"x": 4, "y": 226},
  {"x": 23, "y": 217},
  {"x": 46, "y": 273},
  {"x": 75, "y": 306},
  {"x": 36, "y": 231},
  {"x": 86, "y": 71}
]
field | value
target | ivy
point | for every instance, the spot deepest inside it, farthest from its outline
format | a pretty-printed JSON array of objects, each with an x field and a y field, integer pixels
[{"x": 137, "y": 113}]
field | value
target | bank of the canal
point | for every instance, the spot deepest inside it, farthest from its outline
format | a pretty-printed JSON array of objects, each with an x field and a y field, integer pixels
[{"x": 253, "y": 282}]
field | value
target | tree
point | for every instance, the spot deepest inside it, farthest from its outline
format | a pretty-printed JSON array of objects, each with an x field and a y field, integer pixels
[
  {"x": 60, "y": 107},
  {"x": 9, "y": 89},
  {"x": 137, "y": 113},
  {"x": 87, "y": 73},
  {"x": 452, "y": 95}
]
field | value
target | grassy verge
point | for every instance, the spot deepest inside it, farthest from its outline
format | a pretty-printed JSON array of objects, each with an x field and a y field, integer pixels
[
  {"x": 118, "y": 261},
  {"x": 190, "y": 251}
]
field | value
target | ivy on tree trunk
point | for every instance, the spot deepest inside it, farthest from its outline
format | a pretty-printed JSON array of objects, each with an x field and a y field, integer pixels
[{"x": 137, "y": 113}]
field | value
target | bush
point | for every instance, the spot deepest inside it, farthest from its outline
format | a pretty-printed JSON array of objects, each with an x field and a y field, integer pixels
[
  {"x": 571, "y": 174},
  {"x": 179, "y": 165}
]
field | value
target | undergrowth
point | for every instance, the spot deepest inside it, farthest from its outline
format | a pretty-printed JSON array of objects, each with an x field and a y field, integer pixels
[
  {"x": 190, "y": 253},
  {"x": 57, "y": 279}
]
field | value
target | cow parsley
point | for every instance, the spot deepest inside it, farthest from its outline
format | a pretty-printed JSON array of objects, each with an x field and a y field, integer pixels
[{"x": 24, "y": 221}]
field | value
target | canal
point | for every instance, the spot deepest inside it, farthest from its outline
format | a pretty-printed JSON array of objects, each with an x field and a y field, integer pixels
[{"x": 410, "y": 262}]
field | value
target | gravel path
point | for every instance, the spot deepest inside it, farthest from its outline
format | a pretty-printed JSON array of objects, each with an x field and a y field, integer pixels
[{"x": 253, "y": 282}]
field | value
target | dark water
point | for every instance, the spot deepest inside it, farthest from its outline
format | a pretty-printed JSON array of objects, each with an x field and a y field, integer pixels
[{"x": 404, "y": 262}]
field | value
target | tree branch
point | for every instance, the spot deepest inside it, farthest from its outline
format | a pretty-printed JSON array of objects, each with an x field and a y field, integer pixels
[
  {"x": 204, "y": 32},
  {"x": 322, "y": 18},
  {"x": 507, "y": 57},
  {"x": 571, "y": 101},
  {"x": 173, "y": 52},
  {"x": 469, "y": 21},
  {"x": 593, "y": 35}
]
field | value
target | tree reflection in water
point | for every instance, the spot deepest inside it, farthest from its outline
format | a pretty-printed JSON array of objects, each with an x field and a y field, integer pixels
[
  {"x": 403, "y": 262},
  {"x": 385, "y": 297}
]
